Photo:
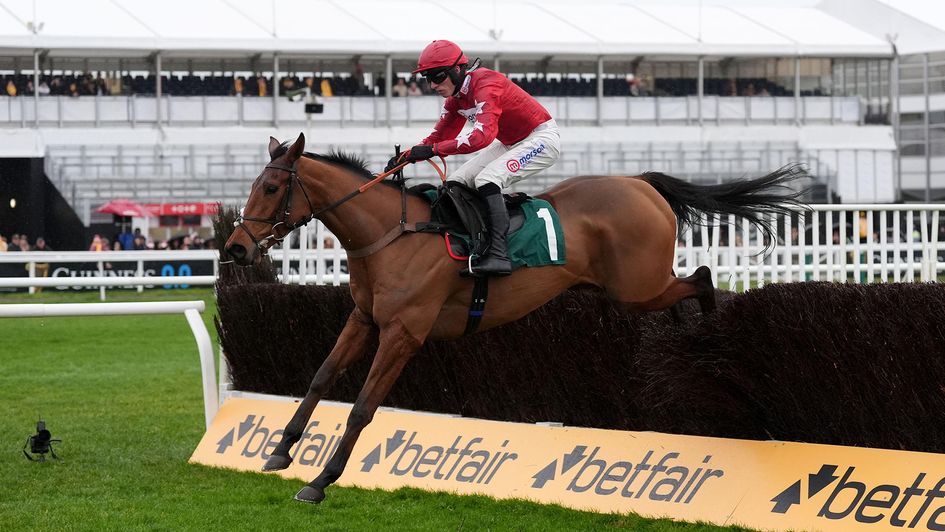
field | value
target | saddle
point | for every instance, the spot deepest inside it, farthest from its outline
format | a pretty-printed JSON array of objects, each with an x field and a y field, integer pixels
[
  {"x": 459, "y": 211},
  {"x": 535, "y": 237}
]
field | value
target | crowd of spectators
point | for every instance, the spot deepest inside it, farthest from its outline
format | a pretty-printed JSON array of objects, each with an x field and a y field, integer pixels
[
  {"x": 20, "y": 242},
  {"x": 138, "y": 241},
  {"x": 124, "y": 240},
  {"x": 355, "y": 84}
]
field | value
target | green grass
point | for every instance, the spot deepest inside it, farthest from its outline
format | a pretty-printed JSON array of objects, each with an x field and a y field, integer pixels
[{"x": 124, "y": 394}]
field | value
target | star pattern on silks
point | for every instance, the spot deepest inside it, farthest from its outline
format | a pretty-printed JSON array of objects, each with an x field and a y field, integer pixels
[
  {"x": 471, "y": 113},
  {"x": 463, "y": 138}
]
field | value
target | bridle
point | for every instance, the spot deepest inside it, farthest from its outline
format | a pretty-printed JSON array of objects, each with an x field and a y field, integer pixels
[{"x": 275, "y": 221}]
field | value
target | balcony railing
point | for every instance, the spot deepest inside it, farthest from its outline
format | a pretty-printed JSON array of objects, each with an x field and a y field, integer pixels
[{"x": 344, "y": 111}]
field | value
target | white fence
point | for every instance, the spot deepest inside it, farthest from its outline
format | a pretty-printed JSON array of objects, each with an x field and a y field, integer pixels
[
  {"x": 843, "y": 243},
  {"x": 849, "y": 243},
  {"x": 190, "y": 309}
]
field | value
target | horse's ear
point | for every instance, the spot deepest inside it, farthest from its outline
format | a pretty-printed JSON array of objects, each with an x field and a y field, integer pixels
[
  {"x": 273, "y": 147},
  {"x": 297, "y": 148}
]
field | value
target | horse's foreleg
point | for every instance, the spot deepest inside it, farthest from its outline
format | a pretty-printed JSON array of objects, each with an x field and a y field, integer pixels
[
  {"x": 396, "y": 348},
  {"x": 352, "y": 344}
]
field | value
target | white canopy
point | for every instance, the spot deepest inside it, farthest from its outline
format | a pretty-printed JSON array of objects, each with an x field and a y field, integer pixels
[
  {"x": 916, "y": 26},
  {"x": 512, "y": 28}
]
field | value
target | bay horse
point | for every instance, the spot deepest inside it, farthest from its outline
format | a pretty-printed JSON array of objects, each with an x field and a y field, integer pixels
[{"x": 620, "y": 236}]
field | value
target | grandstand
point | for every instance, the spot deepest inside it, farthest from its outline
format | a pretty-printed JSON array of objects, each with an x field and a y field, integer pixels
[{"x": 143, "y": 103}]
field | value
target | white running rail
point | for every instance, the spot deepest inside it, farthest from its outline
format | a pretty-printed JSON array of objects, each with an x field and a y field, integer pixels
[{"x": 190, "y": 309}]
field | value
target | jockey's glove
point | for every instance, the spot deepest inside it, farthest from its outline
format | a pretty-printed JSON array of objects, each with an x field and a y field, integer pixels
[{"x": 417, "y": 153}]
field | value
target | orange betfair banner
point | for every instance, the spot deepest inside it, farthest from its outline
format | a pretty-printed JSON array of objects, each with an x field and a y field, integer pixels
[{"x": 770, "y": 485}]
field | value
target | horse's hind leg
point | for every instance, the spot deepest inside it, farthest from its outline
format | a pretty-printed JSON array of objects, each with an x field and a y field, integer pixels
[
  {"x": 698, "y": 285},
  {"x": 353, "y": 342},
  {"x": 705, "y": 288}
]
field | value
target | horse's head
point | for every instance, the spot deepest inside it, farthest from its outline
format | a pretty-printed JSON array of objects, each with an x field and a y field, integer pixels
[{"x": 277, "y": 204}]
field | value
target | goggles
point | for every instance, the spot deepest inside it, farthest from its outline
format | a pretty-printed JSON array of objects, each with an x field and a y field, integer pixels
[{"x": 437, "y": 75}]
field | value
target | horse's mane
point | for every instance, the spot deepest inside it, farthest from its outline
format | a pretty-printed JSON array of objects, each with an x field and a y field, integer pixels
[
  {"x": 347, "y": 160},
  {"x": 343, "y": 159}
]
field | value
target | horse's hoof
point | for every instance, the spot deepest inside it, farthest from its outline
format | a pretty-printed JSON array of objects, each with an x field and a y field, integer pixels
[
  {"x": 310, "y": 495},
  {"x": 277, "y": 463}
]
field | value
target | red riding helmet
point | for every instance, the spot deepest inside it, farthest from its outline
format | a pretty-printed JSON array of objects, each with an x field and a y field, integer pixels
[{"x": 440, "y": 54}]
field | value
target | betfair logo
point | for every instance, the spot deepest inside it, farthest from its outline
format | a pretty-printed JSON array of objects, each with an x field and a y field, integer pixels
[
  {"x": 667, "y": 479},
  {"x": 466, "y": 459},
  {"x": 258, "y": 440},
  {"x": 897, "y": 506}
]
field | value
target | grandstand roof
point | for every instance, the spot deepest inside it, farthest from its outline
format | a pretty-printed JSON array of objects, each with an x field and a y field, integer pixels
[
  {"x": 510, "y": 28},
  {"x": 916, "y": 26}
]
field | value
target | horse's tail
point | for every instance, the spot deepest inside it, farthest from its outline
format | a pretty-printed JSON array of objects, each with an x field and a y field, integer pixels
[{"x": 751, "y": 199}]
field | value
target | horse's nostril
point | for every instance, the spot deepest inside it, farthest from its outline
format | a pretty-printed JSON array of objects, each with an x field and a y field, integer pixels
[{"x": 236, "y": 251}]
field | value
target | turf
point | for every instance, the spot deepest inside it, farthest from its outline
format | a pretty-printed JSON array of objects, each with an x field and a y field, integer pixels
[{"x": 124, "y": 394}]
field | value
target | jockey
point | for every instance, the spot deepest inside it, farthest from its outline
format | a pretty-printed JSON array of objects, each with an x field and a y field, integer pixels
[{"x": 513, "y": 136}]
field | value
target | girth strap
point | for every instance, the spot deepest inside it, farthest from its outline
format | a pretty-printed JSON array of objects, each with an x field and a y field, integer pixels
[{"x": 477, "y": 306}]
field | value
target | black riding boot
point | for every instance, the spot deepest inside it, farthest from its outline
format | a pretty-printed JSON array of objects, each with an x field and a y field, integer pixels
[{"x": 496, "y": 258}]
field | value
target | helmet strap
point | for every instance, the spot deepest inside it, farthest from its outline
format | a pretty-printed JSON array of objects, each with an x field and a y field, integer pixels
[{"x": 457, "y": 76}]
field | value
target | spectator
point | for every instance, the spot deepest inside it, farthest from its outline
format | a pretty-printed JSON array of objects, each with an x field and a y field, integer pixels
[
  {"x": 237, "y": 86},
  {"x": 127, "y": 239},
  {"x": 41, "y": 268},
  {"x": 763, "y": 91},
  {"x": 3, "y": 244},
  {"x": 261, "y": 84},
  {"x": 356, "y": 83},
  {"x": 139, "y": 241},
  {"x": 14, "y": 243},
  {"x": 750, "y": 90},
  {"x": 43, "y": 88},
  {"x": 325, "y": 87},
  {"x": 97, "y": 244},
  {"x": 414, "y": 89},
  {"x": 113, "y": 85},
  {"x": 633, "y": 85},
  {"x": 288, "y": 84},
  {"x": 73, "y": 90},
  {"x": 24, "y": 243},
  {"x": 55, "y": 86},
  {"x": 87, "y": 86},
  {"x": 11, "y": 88},
  {"x": 400, "y": 89},
  {"x": 380, "y": 85},
  {"x": 29, "y": 88}
]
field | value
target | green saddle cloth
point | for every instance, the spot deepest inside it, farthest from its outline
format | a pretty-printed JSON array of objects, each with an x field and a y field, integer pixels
[{"x": 538, "y": 242}]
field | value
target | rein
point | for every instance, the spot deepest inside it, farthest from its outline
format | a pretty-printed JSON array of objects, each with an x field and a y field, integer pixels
[{"x": 275, "y": 221}]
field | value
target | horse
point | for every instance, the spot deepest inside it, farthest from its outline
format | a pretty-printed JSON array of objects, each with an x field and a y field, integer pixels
[{"x": 620, "y": 236}]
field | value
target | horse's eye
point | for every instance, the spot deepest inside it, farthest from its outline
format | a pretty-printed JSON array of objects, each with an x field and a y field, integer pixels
[{"x": 271, "y": 189}]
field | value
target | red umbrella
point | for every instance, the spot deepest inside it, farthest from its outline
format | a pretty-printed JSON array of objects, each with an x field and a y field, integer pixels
[{"x": 123, "y": 207}]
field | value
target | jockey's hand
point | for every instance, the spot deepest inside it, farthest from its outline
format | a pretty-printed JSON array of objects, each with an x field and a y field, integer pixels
[
  {"x": 419, "y": 153},
  {"x": 394, "y": 161}
]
